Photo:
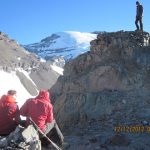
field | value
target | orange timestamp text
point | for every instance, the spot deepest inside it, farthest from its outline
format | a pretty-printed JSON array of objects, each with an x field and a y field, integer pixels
[{"x": 132, "y": 129}]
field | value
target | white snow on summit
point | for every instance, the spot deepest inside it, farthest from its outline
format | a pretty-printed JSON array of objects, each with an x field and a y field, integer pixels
[
  {"x": 68, "y": 44},
  {"x": 73, "y": 39}
]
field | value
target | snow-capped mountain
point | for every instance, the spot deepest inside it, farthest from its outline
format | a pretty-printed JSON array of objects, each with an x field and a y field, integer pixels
[{"x": 67, "y": 44}]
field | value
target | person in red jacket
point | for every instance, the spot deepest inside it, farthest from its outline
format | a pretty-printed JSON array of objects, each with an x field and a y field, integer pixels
[
  {"x": 9, "y": 113},
  {"x": 40, "y": 110}
]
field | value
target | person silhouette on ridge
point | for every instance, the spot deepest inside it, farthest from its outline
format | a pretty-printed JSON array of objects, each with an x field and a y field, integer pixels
[{"x": 139, "y": 13}]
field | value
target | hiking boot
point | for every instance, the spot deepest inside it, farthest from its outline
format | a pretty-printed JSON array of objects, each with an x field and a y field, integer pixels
[
  {"x": 136, "y": 30},
  {"x": 141, "y": 30}
]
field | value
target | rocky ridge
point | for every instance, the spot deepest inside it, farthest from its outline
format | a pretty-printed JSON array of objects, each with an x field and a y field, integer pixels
[
  {"x": 13, "y": 56},
  {"x": 106, "y": 88}
]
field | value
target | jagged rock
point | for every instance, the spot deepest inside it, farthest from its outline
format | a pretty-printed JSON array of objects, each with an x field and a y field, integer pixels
[
  {"x": 111, "y": 79},
  {"x": 13, "y": 55},
  {"x": 44, "y": 76},
  {"x": 21, "y": 139},
  {"x": 118, "y": 140}
]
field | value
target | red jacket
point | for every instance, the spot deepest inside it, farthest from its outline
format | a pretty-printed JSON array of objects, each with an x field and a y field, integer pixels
[
  {"x": 9, "y": 114},
  {"x": 39, "y": 109}
]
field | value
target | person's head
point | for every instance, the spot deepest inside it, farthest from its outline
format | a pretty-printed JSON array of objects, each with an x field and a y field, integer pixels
[
  {"x": 137, "y": 3},
  {"x": 43, "y": 94},
  {"x": 11, "y": 96},
  {"x": 12, "y": 93}
]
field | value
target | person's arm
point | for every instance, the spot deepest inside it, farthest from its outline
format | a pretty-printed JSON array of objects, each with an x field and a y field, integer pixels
[
  {"x": 24, "y": 109},
  {"x": 50, "y": 116},
  {"x": 17, "y": 116},
  {"x": 137, "y": 11},
  {"x": 13, "y": 113}
]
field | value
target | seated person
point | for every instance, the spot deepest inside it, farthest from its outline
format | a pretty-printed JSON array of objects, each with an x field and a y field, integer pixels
[
  {"x": 9, "y": 113},
  {"x": 40, "y": 110}
]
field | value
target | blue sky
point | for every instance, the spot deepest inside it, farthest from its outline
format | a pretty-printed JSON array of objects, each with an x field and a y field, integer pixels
[{"x": 29, "y": 21}]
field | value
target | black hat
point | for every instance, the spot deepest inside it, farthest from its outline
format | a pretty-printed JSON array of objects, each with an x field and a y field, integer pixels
[
  {"x": 137, "y": 2},
  {"x": 11, "y": 92}
]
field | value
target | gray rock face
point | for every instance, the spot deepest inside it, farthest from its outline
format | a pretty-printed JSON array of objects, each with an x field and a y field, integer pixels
[
  {"x": 44, "y": 76},
  {"x": 12, "y": 55},
  {"x": 105, "y": 80},
  {"x": 22, "y": 139}
]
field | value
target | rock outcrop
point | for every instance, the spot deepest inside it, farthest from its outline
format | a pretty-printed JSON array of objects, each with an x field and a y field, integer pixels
[
  {"x": 21, "y": 138},
  {"x": 13, "y": 56},
  {"x": 110, "y": 80}
]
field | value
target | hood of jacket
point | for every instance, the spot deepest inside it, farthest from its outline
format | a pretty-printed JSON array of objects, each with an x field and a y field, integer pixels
[{"x": 44, "y": 95}]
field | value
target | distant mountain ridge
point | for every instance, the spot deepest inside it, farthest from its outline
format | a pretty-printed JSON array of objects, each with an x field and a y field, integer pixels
[
  {"x": 67, "y": 44},
  {"x": 20, "y": 68}
]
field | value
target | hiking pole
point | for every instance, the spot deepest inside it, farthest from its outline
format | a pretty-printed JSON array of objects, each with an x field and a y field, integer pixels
[{"x": 43, "y": 134}]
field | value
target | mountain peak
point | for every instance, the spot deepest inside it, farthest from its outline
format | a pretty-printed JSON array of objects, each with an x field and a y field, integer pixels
[{"x": 68, "y": 44}]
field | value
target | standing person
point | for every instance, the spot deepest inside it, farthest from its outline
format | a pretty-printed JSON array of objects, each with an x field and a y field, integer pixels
[
  {"x": 9, "y": 113},
  {"x": 40, "y": 110},
  {"x": 139, "y": 13}
]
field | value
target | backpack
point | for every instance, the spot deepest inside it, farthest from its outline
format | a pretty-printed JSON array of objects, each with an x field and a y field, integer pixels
[{"x": 140, "y": 9}]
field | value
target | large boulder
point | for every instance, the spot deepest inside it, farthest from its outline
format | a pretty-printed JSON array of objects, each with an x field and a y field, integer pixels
[
  {"x": 21, "y": 139},
  {"x": 112, "y": 79}
]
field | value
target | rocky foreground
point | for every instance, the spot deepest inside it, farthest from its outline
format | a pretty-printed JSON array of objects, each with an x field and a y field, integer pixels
[{"x": 103, "y": 99}]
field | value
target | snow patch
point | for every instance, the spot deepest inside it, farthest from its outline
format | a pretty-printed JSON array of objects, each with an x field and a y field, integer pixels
[
  {"x": 59, "y": 70},
  {"x": 11, "y": 81},
  {"x": 42, "y": 60},
  {"x": 19, "y": 58}
]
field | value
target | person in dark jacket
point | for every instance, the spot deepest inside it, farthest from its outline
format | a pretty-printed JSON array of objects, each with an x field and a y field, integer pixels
[
  {"x": 139, "y": 13},
  {"x": 40, "y": 110},
  {"x": 9, "y": 113}
]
